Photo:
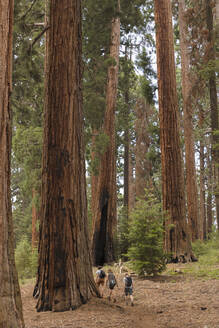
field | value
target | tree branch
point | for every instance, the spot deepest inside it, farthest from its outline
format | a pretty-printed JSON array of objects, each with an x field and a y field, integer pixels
[
  {"x": 38, "y": 37},
  {"x": 28, "y": 10}
]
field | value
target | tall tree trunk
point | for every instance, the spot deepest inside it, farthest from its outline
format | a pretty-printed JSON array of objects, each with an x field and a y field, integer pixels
[
  {"x": 10, "y": 299},
  {"x": 126, "y": 167},
  {"x": 34, "y": 221},
  {"x": 143, "y": 166},
  {"x": 217, "y": 22},
  {"x": 131, "y": 183},
  {"x": 105, "y": 210},
  {"x": 191, "y": 184},
  {"x": 210, "y": 193},
  {"x": 213, "y": 102},
  {"x": 202, "y": 192},
  {"x": 65, "y": 279},
  {"x": 126, "y": 199},
  {"x": 177, "y": 239}
]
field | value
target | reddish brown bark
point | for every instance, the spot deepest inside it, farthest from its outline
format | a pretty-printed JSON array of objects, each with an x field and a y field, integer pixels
[
  {"x": 143, "y": 165},
  {"x": 210, "y": 193},
  {"x": 191, "y": 184},
  {"x": 10, "y": 298},
  {"x": 105, "y": 207},
  {"x": 213, "y": 100},
  {"x": 65, "y": 279},
  {"x": 177, "y": 241},
  {"x": 202, "y": 216}
]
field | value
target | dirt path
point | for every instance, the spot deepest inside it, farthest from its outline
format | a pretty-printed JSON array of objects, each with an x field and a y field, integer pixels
[{"x": 165, "y": 302}]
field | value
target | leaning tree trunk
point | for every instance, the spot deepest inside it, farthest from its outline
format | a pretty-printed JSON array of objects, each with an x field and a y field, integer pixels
[
  {"x": 105, "y": 207},
  {"x": 191, "y": 184},
  {"x": 10, "y": 299},
  {"x": 65, "y": 279},
  {"x": 177, "y": 240},
  {"x": 213, "y": 99}
]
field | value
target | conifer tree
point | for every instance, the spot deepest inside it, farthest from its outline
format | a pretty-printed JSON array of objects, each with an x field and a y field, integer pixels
[
  {"x": 27, "y": 103},
  {"x": 191, "y": 180},
  {"x": 65, "y": 279},
  {"x": 105, "y": 206},
  {"x": 177, "y": 240},
  {"x": 10, "y": 297},
  {"x": 211, "y": 61}
]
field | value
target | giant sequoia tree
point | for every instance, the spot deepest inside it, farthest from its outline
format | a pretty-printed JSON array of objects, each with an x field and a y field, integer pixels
[
  {"x": 210, "y": 51},
  {"x": 177, "y": 241},
  {"x": 10, "y": 298},
  {"x": 65, "y": 279},
  {"x": 191, "y": 183},
  {"x": 105, "y": 206}
]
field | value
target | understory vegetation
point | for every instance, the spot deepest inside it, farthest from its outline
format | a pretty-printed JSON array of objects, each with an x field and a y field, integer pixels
[
  {"x": 145, "y": 255},
  {"x": 207, "y": 266}
]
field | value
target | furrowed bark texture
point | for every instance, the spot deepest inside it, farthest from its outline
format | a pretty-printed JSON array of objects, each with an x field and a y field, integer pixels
[
  {"x": 143, "y": 165},
  {"x": 65, "y": 279},
  {"x": 10, "y": 299},
  {"x": 202, "y": 216},
  {"x": 191, "y": 185},
  {"x": 177, "y": 241},
  {"x": 105, "y": 207},
  {"x": 209, "y": 204},
  {"x": 212, "y": 36}
]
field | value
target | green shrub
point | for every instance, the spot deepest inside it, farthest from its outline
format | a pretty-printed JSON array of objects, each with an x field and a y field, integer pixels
[
  {"x": 26, "y": 260},
  {"x": 146, "y": 238},
  {"x": 207, "y": 247}
]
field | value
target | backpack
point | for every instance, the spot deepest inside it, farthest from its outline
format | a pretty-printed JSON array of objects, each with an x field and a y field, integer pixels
[
  {"x": 112, "y": 280},
  {"x": 128, "y": 281},
  {"x": 102, "y": 274}
]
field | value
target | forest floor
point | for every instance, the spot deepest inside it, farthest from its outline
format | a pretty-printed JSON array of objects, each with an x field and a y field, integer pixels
[{"x": 175, "y": 300}]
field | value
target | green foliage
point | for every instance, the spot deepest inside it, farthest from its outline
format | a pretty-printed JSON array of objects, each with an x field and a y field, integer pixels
[
  {"x": 203, "y": 249},
  {"x": 209, "y": 69},
  {"x": 97, "y": 18},
  {"x": 26, "y": 177},
  {"x": 100, "y": 146},
  {"x": 28, "y": 65},
  {"x": 146, "y": 238},
  {"x": 27, "y": 107},
  {"x": 208, "y": 259},
  {"x": 26, "y": 260},
  {"x": 123, "y": 234},
  {"x": 147, "y": 88}
]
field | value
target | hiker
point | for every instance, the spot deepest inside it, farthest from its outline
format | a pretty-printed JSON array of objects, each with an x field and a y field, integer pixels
[
  {"x": 100, "y": 279},
  {"x": 128, "y": 288},
  {"x": 111, "y": 282}
]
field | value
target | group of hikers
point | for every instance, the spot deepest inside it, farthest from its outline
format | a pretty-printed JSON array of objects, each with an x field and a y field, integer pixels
[{"x": 109, "y": 280}]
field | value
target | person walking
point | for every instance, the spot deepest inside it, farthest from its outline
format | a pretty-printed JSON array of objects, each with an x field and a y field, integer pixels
[
  {"x": 100, "y": 279},
  {"x": 128, "y": 288},
  {"x": 111, "y": 282}
]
